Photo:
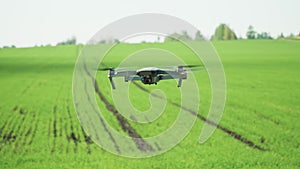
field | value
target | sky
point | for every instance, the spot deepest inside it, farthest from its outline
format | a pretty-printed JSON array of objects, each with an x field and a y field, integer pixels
[{"x": 41, "y": 22}]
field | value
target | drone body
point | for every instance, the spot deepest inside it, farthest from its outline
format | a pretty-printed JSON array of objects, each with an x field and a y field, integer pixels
[{"x": 149, "y": 75}]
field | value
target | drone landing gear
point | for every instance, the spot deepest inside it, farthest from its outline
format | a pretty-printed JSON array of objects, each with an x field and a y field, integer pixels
[{"x": 179, "y": 82}]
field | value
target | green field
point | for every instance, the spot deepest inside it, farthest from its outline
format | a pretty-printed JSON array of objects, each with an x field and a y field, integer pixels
[{"x": 39, "y": 127}]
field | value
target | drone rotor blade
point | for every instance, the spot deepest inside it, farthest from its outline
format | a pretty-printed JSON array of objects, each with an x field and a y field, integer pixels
[
  {"x": 190, "y": 66},
  {"x": 195, "y": 69},
  {"x": 181, "y": 67},
  {"x": 125, "y": 68},
  {"x": 105, "y": 69}
]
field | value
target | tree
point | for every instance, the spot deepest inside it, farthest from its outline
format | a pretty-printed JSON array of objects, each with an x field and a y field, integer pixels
[
  {"x": 291, "y": 35},
  {"x": 12, "y": 46},
  {"x": 117, "y": 41},
  {"x": 264, "y": 35},
  {"x": 219, "y": 32},
  {"x": 176, "y": 36},
  {"x": 199, "y": 36},
  {"x": 223, "y": 32},
  {"x": 281, "y": 36},
  {"x": 185, "y": 36},
  {"x": 172, "y": 37},
  {"x": 70, "y": 41},
  {"x": 102, "y": 41},
  {"x": 251, "y": 33}
]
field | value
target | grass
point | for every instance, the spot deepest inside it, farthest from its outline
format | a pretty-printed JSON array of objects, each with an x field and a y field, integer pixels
[{"x": 39, "y": 127}]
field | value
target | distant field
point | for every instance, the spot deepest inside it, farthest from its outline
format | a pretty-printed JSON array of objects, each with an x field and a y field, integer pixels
[{"x": 259, "y": 128}]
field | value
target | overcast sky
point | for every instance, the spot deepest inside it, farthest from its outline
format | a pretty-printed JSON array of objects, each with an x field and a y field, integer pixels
[{"x": 36, "y": 22}]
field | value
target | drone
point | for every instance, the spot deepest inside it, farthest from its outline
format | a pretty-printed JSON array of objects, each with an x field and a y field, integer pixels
[{"x": 151, "y": 75}]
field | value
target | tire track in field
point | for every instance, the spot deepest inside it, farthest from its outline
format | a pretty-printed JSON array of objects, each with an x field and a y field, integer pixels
[
  {"x": 60, "y": 127},
  {"x": 36, "y": 117},
  {"x": 141, "y": 144},
  {"x": 27, "y": 134},
  {"x": 3, "y": 127},
  {"x": 54, "y": 129},
  {"x": 9, "y": 136},
  {"x": 61, "y": 145},
  {"x": 204, "y": 119},
  {"x": 103, "y": 124},
  {"x": 20, "y": 131},
  {"x": 56, "y": 123},
  {"x": 72, "y": 136},
  {"x": 30, "y": 133},
  {"x": 66, "y": 131},
  {"x": 5, "y": 134},
  {"x": 88, "y": 141}
]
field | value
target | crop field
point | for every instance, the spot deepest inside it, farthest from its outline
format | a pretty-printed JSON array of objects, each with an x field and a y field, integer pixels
[{"x": 260, "y": 127}]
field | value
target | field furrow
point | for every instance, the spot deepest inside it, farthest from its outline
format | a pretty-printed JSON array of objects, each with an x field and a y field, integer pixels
[
  {"x": 20, "y": 130},
  {"x": 54, "y": 128},
  {"x": 141, "y": 144},
  {"x": 103, "y": 124},
  {"x": 88, "y": 141},
  {"x": 9, "y": 133},
  {"x": 205, "y": 120},
  {"x": 72, "y": 136},
  {"x": 35, "y": 122}
]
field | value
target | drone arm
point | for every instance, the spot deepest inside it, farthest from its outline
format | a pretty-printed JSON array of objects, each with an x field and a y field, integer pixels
[
  {"x": 128, "y": 75},
  {"x": 132, "y": 78},
  {"x": 124, "y": 73},
  {"x": 165, "y": 77}
]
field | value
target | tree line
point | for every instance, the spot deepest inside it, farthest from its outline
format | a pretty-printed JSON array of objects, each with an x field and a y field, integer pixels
[
  {"x": 70, "y": 41},
  {"x": 222, "y": 32}
]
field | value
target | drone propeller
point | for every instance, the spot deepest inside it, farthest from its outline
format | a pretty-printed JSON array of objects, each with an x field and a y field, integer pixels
[
  {"x": 117, "y": 68},
  {"x": 195, "y": 69},
  {"x": 189, "y": 66},
  {"x": 181, "y": 66},
  {"x": 106, "y": 68}
]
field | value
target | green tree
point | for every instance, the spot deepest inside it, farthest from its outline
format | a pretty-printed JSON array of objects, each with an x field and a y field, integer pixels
[
  {"x": 176, "y": 36},
  {"x": 281, "y": 36},
  {"x": 69, "y": 41},
  {"x": 251, "y": 34},
  {"x": 291, "y": 35},
  {"x": 116, "y": 41},
  {"x": 102, "y": 41},
  {"x": 223, "y": 32},
  {"x": 172, "y": 37},
  {"x": 264, "y": 35},
  {"x": 199, "y": 36},
  {"x": 185, "y": 36}
]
